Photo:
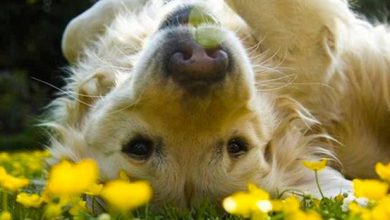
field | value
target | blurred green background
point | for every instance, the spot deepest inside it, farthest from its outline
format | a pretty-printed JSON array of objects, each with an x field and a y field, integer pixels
[{"x": 30, "y": 48}]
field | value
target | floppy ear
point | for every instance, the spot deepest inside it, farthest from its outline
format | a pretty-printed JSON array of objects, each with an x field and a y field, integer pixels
[
  {"x": 87, "y": 84},
  {"x": 86, "y": 27}
]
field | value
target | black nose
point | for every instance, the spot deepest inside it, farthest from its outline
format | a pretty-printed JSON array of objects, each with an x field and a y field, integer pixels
[{"x": 193, "y": 64}]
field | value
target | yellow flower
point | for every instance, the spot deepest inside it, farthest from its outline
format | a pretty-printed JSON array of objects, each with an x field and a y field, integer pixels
[
  {"x": 34, "y": 167},
  {"x": 357, "y": 210},
  {"x": 125, "y": 195},
  {"x": 67, "y": 179},
  {"x": 3, "y": 173},
  {"x": 253, "y": 203},
  {"x": 11, "y": 183},
  {"x": 17, "y": 168},
  {"x": 371, "y": 189},
  {"x": 257, "y": 192},
  {"x": 123, "y": 176},
  {"x": 95, "y": 189},
  {"x": 78, "y": 207},
  {"x": 315, "y": 165},
  {"x": 385, "y": 202},
  {"x": 45, "y": 195},
  {"x": 311, "y": 215},
  {"x": 52, "y": 211},
  {"x": 240, "y": 203},
  {"x": 301, "y": 215},
  {"x": 383, "y": 171},
  {"x": 4, "y": 157},
  {"x": 380, "y": 213},
  {"x": 277, "y": 205},
  {"x": 382, "y": 210},
  {"x": 291, "y": 204},
  {"x": 27, "y": 200},
  {"x": 5, "y": 215},
  {"x": 41, "y": 154}
]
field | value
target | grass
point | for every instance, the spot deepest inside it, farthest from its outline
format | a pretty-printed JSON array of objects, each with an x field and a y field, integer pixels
[{"x": 31, "y": 166}]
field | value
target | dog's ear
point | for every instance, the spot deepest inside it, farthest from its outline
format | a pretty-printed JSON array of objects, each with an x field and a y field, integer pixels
[{"x": 86, "y": 27}]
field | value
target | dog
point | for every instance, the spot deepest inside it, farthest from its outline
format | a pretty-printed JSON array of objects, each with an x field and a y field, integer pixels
[{"x": 203, "y": 97}]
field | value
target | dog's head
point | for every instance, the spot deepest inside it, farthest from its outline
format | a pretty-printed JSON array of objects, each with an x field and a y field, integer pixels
[{"x": 166, "y": 92}]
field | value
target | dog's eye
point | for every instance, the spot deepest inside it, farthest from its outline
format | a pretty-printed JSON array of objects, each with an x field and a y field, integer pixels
[
  {"x": 237, "y": 147},
  {"x": 139, "y": 148}
]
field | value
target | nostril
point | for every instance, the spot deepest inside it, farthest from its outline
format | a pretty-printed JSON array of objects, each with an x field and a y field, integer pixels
[
  {"x": 176, "y": 58},
  {"x": 194, "y": 65},
  {"x": 216, "y": 53},
  {"x": 212, "y": 52},
  {"x": 187, "y": 54}
]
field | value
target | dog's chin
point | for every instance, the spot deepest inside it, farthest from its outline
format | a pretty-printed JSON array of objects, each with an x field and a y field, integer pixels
[{"x": 197, "y": 96}]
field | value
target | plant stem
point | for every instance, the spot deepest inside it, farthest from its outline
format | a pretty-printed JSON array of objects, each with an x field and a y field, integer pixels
[
  {"x": 318, "y": 184},
  {"x": 5, "y": 201}
]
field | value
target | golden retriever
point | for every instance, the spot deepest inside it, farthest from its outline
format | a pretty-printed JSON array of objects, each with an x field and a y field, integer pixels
[{"x": 202, "y": 97}]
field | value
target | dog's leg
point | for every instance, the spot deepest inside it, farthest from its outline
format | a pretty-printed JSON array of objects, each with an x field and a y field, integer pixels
[
  {"x": 300, "y": 34},
  {"x": 91, "y": 23},
  {"x": 331, "y": 183},
  {"x": 341, "y": 66}
]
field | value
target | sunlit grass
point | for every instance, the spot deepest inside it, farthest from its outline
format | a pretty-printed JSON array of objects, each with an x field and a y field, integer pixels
[{"x": 71, "y": 191}]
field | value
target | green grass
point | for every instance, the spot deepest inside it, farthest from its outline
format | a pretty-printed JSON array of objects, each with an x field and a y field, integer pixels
[
  {"x": 328, "y": 209},
  {"x": 30, "y": 165}
]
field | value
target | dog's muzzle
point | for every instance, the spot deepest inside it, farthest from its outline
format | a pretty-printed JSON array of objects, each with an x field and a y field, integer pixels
[{"x": 196, "y": 57}]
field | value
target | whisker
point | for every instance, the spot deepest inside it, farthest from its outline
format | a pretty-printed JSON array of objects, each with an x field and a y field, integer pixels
[
  {"x": 289, "y": 76},
  {"x": 109, "y": 65},
  {"x": 254, "y": 48},
  {"x": 63, "y": 91},
  {"x": 271, "y": 82}
]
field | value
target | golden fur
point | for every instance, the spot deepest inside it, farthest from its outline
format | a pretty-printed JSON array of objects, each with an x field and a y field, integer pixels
[{"x": 311, "y": 80}]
